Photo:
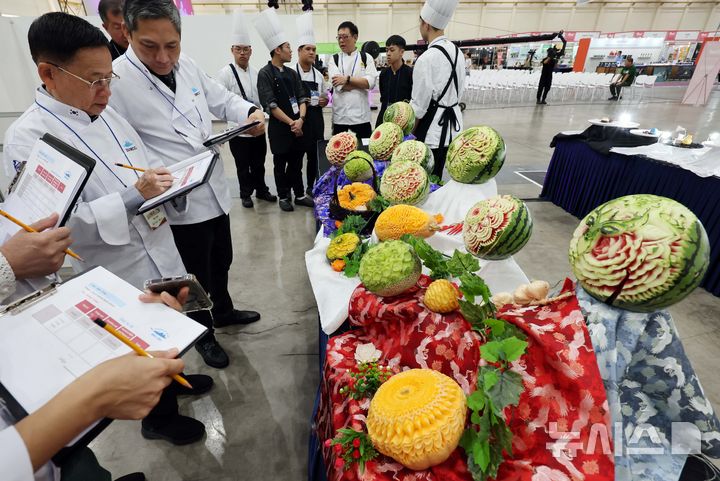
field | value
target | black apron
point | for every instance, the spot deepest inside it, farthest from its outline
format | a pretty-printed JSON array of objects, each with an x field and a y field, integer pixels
[
  {"x": 314, "y": 125},
  {"x": 282, "y": 140},
  {"x": 448, "y": 118}
]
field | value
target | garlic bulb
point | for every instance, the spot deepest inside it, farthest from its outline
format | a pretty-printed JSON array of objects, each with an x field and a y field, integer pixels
[
  {"x": 538, "y": 290},
  {"x": 502, "y": 298},
  {"x": 522, "y": 296}
]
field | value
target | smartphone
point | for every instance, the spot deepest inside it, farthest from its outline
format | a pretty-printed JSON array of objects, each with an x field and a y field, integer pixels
[{"x": 197, "y": 300}]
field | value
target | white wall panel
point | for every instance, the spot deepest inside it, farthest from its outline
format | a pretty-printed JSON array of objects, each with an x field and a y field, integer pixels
[
  {"x": 668, "y": 18},
  {"x": 585, "y": 18}
]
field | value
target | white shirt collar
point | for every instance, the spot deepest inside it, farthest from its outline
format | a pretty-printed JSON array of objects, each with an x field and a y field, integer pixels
[
  {"x": 132, "y": 56},
  {"x": 441, "y": 37},
  {"x": 44, "y": 99}
]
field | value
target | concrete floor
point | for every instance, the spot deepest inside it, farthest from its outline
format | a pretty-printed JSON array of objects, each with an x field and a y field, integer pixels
[{"x": 257, "y": 416}]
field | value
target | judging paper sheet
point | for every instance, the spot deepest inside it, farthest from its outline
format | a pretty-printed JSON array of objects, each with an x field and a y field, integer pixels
[
  {"x": 188, "y": 174},
  {"x": 47, "y": 346},
  {"x": 50, "y": 183}
]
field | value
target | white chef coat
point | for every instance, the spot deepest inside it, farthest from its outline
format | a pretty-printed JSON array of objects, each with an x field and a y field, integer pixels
[
  {"x": 173, "y": 125},
  {"x": 352, "y": 107},
  {"x": 15, "y": 464},
  {"x": 430, "y": 75},
  {"x": 248, "y": 78},
  {"x": 105, "y": 230}
]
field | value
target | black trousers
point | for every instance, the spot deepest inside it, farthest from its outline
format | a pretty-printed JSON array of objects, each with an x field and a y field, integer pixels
[
  {"x": 249, "y": 154},
  {"x": 311, "y": 170},
  {"x": 615, "y": 89},
  {"x": 287, "y": 169},
  {"x": 439, "y": 155},
  {"x": 206, "y": 250},
  {"x": 543, "y": 88},
  {"x": 363, "y": 131}
]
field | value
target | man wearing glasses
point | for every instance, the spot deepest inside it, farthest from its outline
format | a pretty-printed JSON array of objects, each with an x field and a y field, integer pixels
[
  {"x": 75, "y": 67},
  {"x": 353, "y": 74},
  {"x": 249, "y": 152}
]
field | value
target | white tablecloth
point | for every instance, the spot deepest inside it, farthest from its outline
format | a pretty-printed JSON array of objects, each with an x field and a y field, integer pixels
[
  {"x": 333, "y": 290},
  {"x": 703, "y": 162}
]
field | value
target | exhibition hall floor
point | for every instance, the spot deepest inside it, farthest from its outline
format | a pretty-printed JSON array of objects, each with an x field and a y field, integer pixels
[{"x": 257, "y": 415}]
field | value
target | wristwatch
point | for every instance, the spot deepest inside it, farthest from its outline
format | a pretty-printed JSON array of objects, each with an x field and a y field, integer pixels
[{"x": 348, "y": 80}]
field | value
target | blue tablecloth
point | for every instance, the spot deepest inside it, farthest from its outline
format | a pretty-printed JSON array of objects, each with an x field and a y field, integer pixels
[{"x": 580, "y": 179}]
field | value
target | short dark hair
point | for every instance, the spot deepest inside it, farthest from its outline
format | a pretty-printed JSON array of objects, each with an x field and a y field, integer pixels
[
  {"x": 109, "y": 6},
  {"x": 350, "y": 26},
  {"x": 629, "y": 59},
  {"x": 135, "y": 10},
  {"x": 56, "y": 37},
  {"x": 396, "y": 40}
]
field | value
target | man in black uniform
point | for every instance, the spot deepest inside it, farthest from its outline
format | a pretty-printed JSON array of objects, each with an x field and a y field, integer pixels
[
  {"x": 313, "y": 81},
  {"x": 111, "y": 14},
  {"x": 283, "y": 96},
  {"x": 395, "y": 79},
  {"x": 548, "y": 66}
]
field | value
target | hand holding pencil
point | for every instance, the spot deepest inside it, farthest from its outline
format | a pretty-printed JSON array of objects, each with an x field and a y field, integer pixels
[{"x": 38, "y": 249}]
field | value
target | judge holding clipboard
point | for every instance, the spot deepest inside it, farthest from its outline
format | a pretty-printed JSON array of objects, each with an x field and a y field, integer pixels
[
  {"x": 71, "y": 104},
  {"x": 170, "y": 102}
]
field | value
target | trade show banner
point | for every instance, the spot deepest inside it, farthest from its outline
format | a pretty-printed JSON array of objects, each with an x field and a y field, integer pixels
[{"x": 706, "y": 71}]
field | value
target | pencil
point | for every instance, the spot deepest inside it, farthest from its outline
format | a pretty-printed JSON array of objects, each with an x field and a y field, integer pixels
[
  {"x": 30, "y": 229},
  {"x": 129, "y": 167},
  {"x": 139, "y": 350}
]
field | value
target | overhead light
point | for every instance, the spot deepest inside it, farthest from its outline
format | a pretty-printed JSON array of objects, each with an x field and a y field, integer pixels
[{"x": 8, "y": 15}]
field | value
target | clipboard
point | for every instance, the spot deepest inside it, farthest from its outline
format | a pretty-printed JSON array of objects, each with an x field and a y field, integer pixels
[
  {"x": 36, "y": 306},
  {"x": 180, "y": 189},
  {"x": 223, "y": 137},
  {"x": 26, "y": 180}
]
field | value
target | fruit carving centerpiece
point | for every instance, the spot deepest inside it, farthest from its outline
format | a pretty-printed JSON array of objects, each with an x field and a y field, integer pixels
[
  {"x": 415, "y": 151},
  {"x": 401, "y": 114},
  {"x": 405, "y": 183},
  {"x": 384, "y": 139},
  {"x": 496, "y": 228},
  {"x": 476, "y": 155},
  {"x": 339, "y": 146},
  {"x": 646, "y": 251},
  {"x": 358, "y": 166}
]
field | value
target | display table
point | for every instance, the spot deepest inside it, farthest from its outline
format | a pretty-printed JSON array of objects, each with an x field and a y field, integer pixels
[{"x": 580, "y": 179}]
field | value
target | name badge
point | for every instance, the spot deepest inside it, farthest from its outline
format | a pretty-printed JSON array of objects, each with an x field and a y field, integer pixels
[
  {"x": 314, "y": 98},
  {"x": 295, "y": 108},
  {"x": 155, "y": 218}
]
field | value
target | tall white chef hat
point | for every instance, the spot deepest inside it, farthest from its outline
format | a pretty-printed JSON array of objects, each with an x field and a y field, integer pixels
[
  {"x": 268, "y": 26},
  {"x": 240, "y": 29},
  {"x": 306, "y": 32},
  {"x": 438, "y": 12}
]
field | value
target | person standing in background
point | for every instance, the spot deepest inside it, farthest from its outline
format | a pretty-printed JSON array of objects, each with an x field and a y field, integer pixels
[
  {"x": 395, "y": 79},
  {"x": 312, "y": 79},
  {"x": 353, "y": 75},
  {"x": 249, "y": 152},
  {"x": 110, "y": 12},
  {"x": 546, "y": 74},
  {"x": 438, "y": 83},
  {"x": 619, "y": 58},
  {"x": 283, "y": 96}
]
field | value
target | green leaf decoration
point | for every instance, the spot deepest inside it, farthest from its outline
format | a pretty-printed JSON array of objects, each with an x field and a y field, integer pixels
[
  {"x": 506, "y": 391},
  {"x": 461, "y": 263},
  {"x": 513, "y": 348}
]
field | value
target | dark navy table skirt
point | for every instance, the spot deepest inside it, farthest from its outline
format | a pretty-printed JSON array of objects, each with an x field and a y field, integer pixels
[{"x": 580, "y": 179}]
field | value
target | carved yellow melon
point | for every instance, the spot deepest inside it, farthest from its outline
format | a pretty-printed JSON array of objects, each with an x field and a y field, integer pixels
[
  {"x": 417, "y": 418},
  {"x": 441, "y": 297}
]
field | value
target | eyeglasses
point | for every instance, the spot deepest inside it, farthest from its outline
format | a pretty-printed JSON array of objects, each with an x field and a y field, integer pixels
[
  {"x": 95, "y": 84},
  {"x": 238, "y": 49},
  {"x": 343, "y": 37}
]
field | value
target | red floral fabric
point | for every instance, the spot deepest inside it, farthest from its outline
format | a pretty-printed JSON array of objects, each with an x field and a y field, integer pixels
[{"x": 559, "y": 370}]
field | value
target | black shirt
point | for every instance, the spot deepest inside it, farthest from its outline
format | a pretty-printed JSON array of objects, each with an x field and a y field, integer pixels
[
  {"x": 167, "y": 79},
  {"x": 115, "y": 49},
  {"x": 394, "y": 87}
]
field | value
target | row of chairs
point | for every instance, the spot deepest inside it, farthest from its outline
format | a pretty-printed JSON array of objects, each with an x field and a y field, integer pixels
[{"x": 508, "y": 86}]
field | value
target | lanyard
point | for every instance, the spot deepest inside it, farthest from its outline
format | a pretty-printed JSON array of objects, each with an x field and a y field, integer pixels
[
  {"x": 342, "y": 64},
  {"x": 297, "y": 67},
  {"x": 172, "y": 104},
  {"x": 90, "y": 148}
]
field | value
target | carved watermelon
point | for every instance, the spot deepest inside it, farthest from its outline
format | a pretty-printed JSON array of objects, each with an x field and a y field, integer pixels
[
  {"x": 651, "y": 249},
  {"x": 405, "y": 183},
  {"x": 339, "y": 146},
  {"x": 476, "y": 155},
  {"x": 415, "y": 151},
  {"x": 384, "y": 139},
  {"x": 496, "y": 228},
  {"x": 358, "y": 166},
  {"x": 401, "y": 114}
]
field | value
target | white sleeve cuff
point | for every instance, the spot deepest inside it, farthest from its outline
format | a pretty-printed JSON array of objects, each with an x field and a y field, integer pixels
[{"x": 14, "y": 458}]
